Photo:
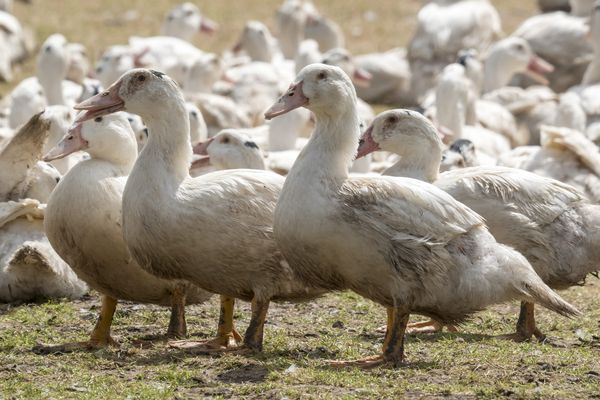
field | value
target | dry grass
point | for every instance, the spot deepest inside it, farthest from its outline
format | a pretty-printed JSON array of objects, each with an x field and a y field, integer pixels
[{"x": 298, "y": 337}]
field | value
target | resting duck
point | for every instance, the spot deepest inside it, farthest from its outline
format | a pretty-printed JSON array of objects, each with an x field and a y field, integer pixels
[
  {"x": 185, "y": 20},
  {"x": 400, "y": 242},
  {"x": 565, "y": 155},
  {"x": 214, "y": 230},
  {"x": 547, "y": 221},
  {"x": 29, "y": 268},
  {"x": 229, "y": 150},
  {"x": 83, "y": 224}
]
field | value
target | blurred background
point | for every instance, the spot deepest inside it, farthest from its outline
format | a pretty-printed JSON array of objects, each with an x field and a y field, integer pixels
[{"x": 369, "y": 25}]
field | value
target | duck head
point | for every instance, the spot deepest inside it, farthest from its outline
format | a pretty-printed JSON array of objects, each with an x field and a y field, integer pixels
[
  {"x": 108, "y": 137},
  {"x": 323, "y": 89},
  {"x": 137, "y": 91},
  {"x": 401, "y": 132}
]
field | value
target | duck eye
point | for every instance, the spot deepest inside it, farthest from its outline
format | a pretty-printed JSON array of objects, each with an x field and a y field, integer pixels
[
  {"x": 141, "y": 78},
  {"x": 98, "y": 119},
  {"x": 225, "y": 140},
  {"x": 322, "y": 75},
  {"x": 70, "y": 138},
  {"x": 392, "y": 120},
  {"x": 194, "y": 114}
]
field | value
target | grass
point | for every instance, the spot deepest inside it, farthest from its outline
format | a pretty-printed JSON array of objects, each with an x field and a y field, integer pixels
[
  {"x": 299, "y": 337},
  {"x": 299, "y": 340}
]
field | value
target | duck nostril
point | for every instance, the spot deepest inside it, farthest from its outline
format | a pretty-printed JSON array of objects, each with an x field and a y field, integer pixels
[{"x": 291, "y": 94}]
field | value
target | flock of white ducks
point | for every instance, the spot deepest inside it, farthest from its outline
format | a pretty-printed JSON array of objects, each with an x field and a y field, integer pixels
[{"x": 173, "y": 183}]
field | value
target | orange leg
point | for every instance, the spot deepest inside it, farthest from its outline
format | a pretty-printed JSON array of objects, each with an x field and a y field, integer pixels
[
  {"x": 227, "y": 337},
  {"x": 99, "y": 338},
  {"x": 393, "y": 344}
]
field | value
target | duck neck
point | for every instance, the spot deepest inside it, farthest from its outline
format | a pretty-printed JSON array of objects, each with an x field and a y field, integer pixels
[
  {"x": 421, "y": 165},
  {"x": 53, "y": 90},
  {"x": 331, "y": 148},
  {"x": 495, "y": 75},
  {"x": 451, "y": 114},
  {"x": 168, "y": 150}
]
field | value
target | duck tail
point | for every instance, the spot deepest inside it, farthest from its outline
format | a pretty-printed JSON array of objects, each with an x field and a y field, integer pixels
[{"x": 538, "y": 292}]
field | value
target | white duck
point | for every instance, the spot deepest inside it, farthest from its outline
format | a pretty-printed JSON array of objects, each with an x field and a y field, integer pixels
[
  {"x": 569, "y": 51},
  {"x": 566, "y": 155},
  {"x": 17, "y": 43},
  {"x": 83, "y": 224},
  {"x": 29, "y": 267},
  {"x": 324, "y": 31},
  {"x": 545, "y": 220},
  {"x": 165, "y": 53},
  {"x": 290, "y": 20},
  {"x": 257, "y": 42},
  {"x": 508, "y": 57},
  {"x": 390, "y": 77},
  {"x": 400, "y": 242},
  {"x": 202, "y": 74},
  {"x": 185, "y": 20},
  {"x": 442, "y": 31},
  {"x": 455, "y": 104},
  {"x": 223, "y": 219},
  {"x": 229, "y": 150},
  {"x": 22, "y": 175},
  {"x": 589, "y": 90},
  {"x": 115, "y": 61}
]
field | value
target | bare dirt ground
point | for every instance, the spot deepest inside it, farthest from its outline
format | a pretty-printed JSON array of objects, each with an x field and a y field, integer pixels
[{"x": 299, "y": 337}]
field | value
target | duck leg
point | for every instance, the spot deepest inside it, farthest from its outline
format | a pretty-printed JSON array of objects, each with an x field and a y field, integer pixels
[
  {"x": 393, "y": 344},
  {"x": 253, "y": 338},
  {"x": 99, "y": 338},
  {"x": 177, "y": 325},
  {"x": 227, "y": 336},
  {"x": 526, "y": 327}
]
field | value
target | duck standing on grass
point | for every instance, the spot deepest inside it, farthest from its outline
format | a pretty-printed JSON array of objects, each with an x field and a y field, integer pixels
[
  {"x": 549, "y": 222},
  {"x": 215, "y": 230},
  {"x": 400, "y": 242},
  {"x": 83, "y": 224}
]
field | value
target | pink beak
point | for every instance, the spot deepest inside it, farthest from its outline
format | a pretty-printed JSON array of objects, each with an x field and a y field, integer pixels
[
  {"x": 70, "y": 143},
  {"x": 101, "y": 104},
  {"x": 208, "y": 25},
  {"x": 290, "y": 100},
  {"x": 362, "y": 77},
  {"x": 202, "y": 147},
  {"x": 366, "y": 144},
  {"x": 537, "y": 68}
]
